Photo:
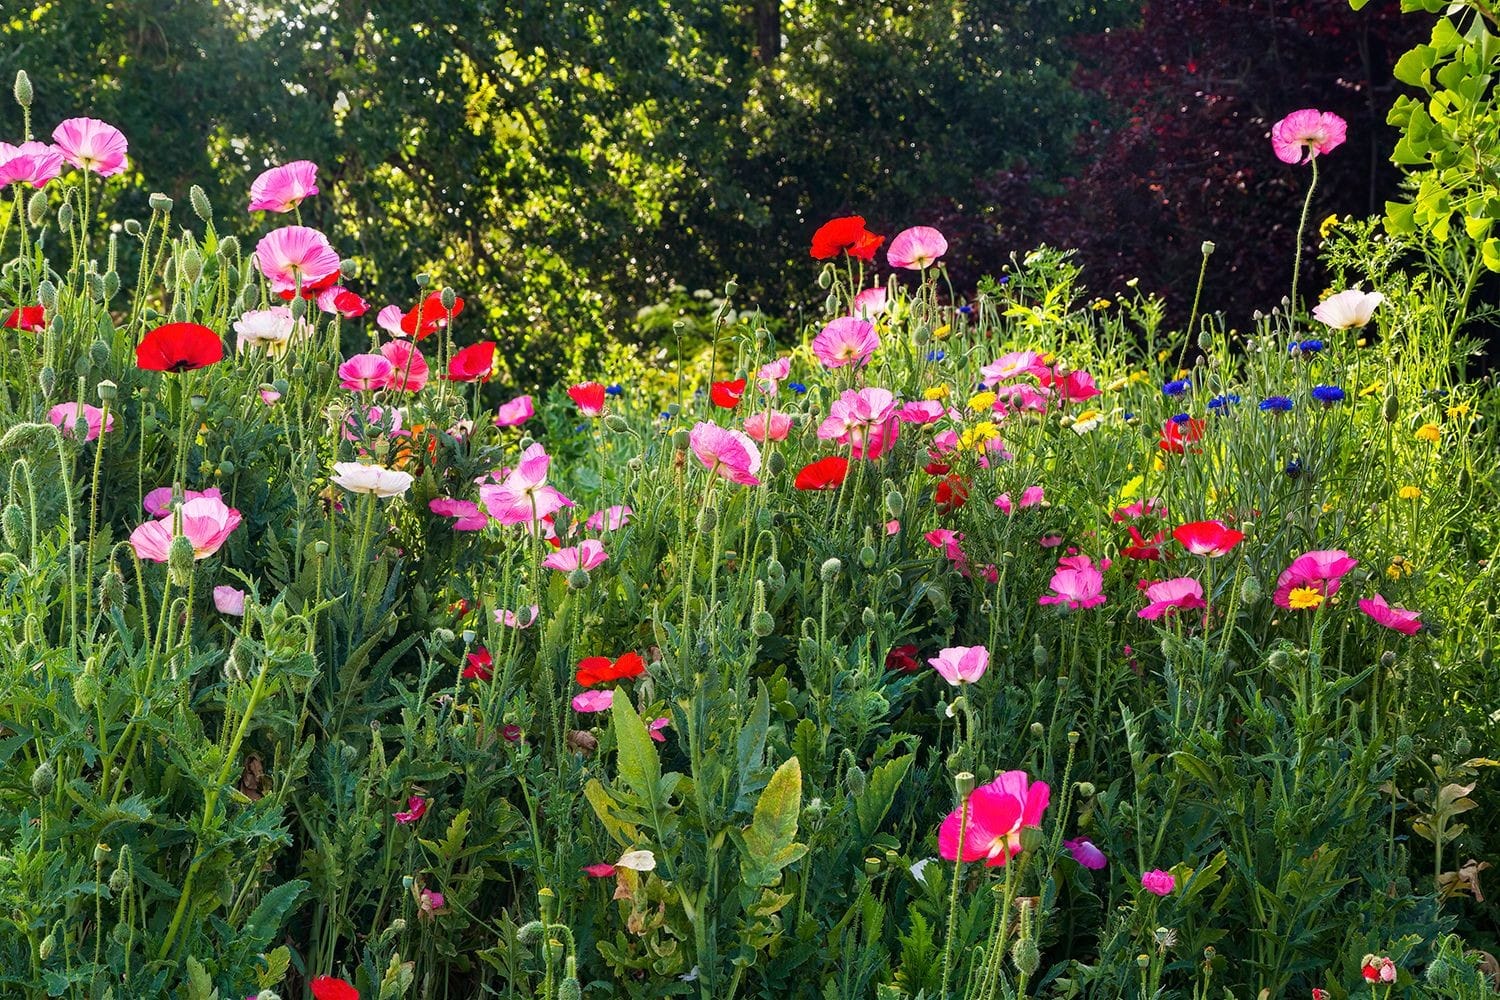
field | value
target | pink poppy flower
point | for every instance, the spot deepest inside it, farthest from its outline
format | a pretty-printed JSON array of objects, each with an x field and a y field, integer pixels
[
  {"x": 281, "y": 189},
  {"x": 961, "y": 664},
  {"x": 922, "y": 411},
  {"x": 1301, "y": 135},
  {"x": 431, "y": 903},
  {"x": 206, "y": 522},
  {"x": 1085, "y": 853},
  {"x": 271, "y": 329},
  {"x": 89, "y": 144},
  {"x": 524, "y": 496},
  {"x": 34, "y": 163},
  {"x": 589, "y": 397},
  {"x": 654, "y": 728},
  {"x": 473, "y": 363},
  {"x": 416, "y": 808},
  {"x": 1078, "y": 583},
  {"x": 466, "y": 513},
  {"x": 1158, "y": 882},
  {"x": 295, "y": 255},
  {"x": 1377, "y": 969},
  {"x": 869, "y": 303},
  {"x": 1014, "y": 365},
  {"x": 409, "y": 369},
  {"x": 1180, "y": 594},
  {"x": 772, "y": 374},
  {"x": 269, "y": 396},
  {"x": 515, "y": 413},
  {"x": 844, "y": 341},
  {"x": 230, "y": 601},
  {"x": 365, "y": 372},
  {"x": 948, "y": 541},
  {"x": 1022, "y": 397},
  {"x": 1208, "y": 538},
  {"x": 1074, "y": 387},
  {"x": 1030, "y": 497},
  {"x": 610, "y": 519},
  {"x": 593, "y": 701},
  {"x": 731, "y": 454},
  {"x": 996, "y": 815},
  {"x": 524, "y": 619},
  {"x": 66, "y": 416},
  {"x": 1403, "y": 621},
  {"x": 375, "y": 420},
  {"x": 599, "y": 870},
  {"x": 585, "y": 556},
  {"x": 772, "y": 424},
  {"x": 917, "y": 248},
  {"x": 338, "y": 299},
  {"x": 865, "y": 420},
  {"x": 1348, "y": 309},
  {"x": 389, "y": 320},
  {"x": 158, "y": 503},
  {"x": 1321, "y": 571}
]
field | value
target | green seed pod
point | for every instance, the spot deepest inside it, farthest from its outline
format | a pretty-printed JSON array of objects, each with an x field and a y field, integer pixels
[
  {"x": 1250, "y": 592},
  {"x": 23, "y": 89},
  {"x": 43, "y": 779},
  {"x": 680, "y": 440},
  {"x": 895, "y": 504},
  {"x": 831, "y": 569},
  {"x": 708, "y": 520},
  {"x": 963, "y": 781},
  {"x": 1391, "y": 408},
  {"x": 423, "y": 279},
  {"x": 1208, "y": 248},
  {"x": 199, "y": 201},
  {"x": 13, "y": 524},
  {"x": 615, "y": 423},
  {"x": 36, "y": 208},
  {"x": 578, "y": 579},
  {"x": 449, "y": 297},
  {"x": 159, "y": 202},
  {"x": 180, "y": 557},
  {"x": 856, "y": 780}
]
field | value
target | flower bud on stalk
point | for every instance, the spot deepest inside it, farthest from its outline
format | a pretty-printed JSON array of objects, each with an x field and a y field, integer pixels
[
  {"x": 159, "y": 202},
  {"x": 23, "y": 90},
  {"x": 180, "y": 561},
  {"x": 43, "y": 779},
  {"x": 36, "y": 208},
  {"x": 200, "y": 204}
]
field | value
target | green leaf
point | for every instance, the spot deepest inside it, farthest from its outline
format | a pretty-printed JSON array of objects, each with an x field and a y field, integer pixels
[
  {"x": 770, "y": 840},
  {"x": 277, "y": 964},
  {"x": 199, "y": 985},
  {"x": 635, "y": 754},
  {"x": 262, "y": 926},
  {"x": 623, "y": 833},
  {"x": 870, "y": 808},
  {"x": 452, "y": 845}
]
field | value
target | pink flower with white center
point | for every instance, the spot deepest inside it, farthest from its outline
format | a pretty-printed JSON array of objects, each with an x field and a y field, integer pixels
[
  {"x": 89, "y": 144},
  {"x": 515, "y": 413},
  {"x": 158, "y": 503},
  {"x": 771, "y": 425},
  {"x": 389, "y": 320},
  {"x": 869, "y": 303},
  {"x": 771, "y": 375},
  {"x": 1403, "y": 621},
  {"x": 66, "y": 417},
  {"x": 586, "y": 555},
  {"x": 992, "y": 818},
  {"x": 594, "y": 701},
  {"x": 1180, "y": 594},
  {"x": 1013, "y": 365},
  {"x": 1304, "y": 134},
  {"x": 610, "y": 519},
  {"x": 1349, "y": 309},
  {"x": 863, "y": 419},
  {"x": 961, "y": 664},
  {"x": 844, "y": 341},
  {"x": 271, "y": 329},
  {"x": 731, "y": 454},
  {"x": 229, "y": 601},
  {"x": 338, "y": 299},
  {"x": 205, "y": 521},
  {"x": 524, "y": 497},
  {"x": 922, "y": 411},
  {"x": 1078, "y": 583},
  {"x": 365, "y": 372},
  {"x": 1030, "y": 497},
  {"x": 34, "y": 163},
  {"x": 525, "y": 618},
  {"x": 466, "y": 513},
  {"x": 282, "y": 189},
  {"x": 1321, "y": 570},
  {"x": 295, "y": 256},
  {"x": 917, "y": 248},
  {"x": 408, "y": 368}
]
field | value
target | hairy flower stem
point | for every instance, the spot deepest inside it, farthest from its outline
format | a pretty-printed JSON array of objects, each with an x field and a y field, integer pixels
[
  {"x": 88, "y": 554},
  {"x": 1301, "y": 228},
  {"x": 958, "y": 872}
]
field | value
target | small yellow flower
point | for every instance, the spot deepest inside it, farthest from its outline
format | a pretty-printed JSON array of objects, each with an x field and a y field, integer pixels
[
  {"x": 1302, "y": 598},
  {"x": 1158, "y": 465},
  {"x": 942, "y": 331},
  {"x": 981, "y": 401},
  {"x": 976, "y": 436},
  {"x": 1409, "y": 492},
  {"x": 1429, "y": 432},
  {"x": 1459, "y": 410},
  {"x": 1398, "y": 568},
  {"x": 1136, "y": 378},
  {"x": 1099, "y": 305},
  {"x": 935, "y": 392},
  {"x": 1330, "y": 506},
  {"x": 1162, "y": 356},
  {"x": 1371, "y": 389},
  {"x": 1327, "y": 226},
  {"x": 1361, "y": 342}
]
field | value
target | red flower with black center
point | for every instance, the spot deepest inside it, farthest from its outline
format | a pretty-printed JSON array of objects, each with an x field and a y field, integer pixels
[
  {"x": 824, "y": 474},
  {"x": 329, "y": 988},
  {"x": 951, "y": 493},
  {"x": 589, "y": 396},
  {"x": 473, "y": 363},
  {"x": 727, "y": 394},
  {"x": 429, "y": 316},
  {"x": 902, "y": 658},
  {"x": 837, "y": 235},
  {"x": 179, "y": 347},
  {"x": 480, "y": 666},
  {"x": 598, "y": 669},
  {"x": 32, "y": 319},
  {"x": 1175, "y": 437}
]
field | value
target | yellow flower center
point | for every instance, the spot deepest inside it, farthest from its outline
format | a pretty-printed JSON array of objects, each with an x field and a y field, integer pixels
[
  {"x": 936, "y": 392},
  {"x": 981, "y": 401},
  {"x": 1302, "y": 598}
]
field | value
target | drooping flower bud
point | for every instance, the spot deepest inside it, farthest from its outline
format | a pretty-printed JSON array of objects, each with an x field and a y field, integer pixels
[
  {"x": 43, "y": 779},
  {"x": 831, "y": 569},
  {"x": 36, "y": 208}
]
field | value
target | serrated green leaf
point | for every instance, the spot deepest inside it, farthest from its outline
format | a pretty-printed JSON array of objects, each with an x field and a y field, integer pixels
[
  {"x": 277, "y": 962},
  {"x": 263, "y": 924},
  {"x": 635, "y": 754},
  {"x": 880, "y": 791},
  {"x": 770, "y": 840}
]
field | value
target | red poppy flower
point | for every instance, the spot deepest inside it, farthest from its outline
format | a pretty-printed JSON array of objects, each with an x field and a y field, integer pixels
[
  {"x": 178, "y": 347},
  {"x": 951, "y": 494},
  {"x": 1208, "y": 538},
  {"x": 1139, "y": 548},
  {"x": 865, "y": 245},
  {"x": 480, "y": 665},
  {"x": 902, "y": 658},
  {"x": 429, "y": 316},
  {"x": 937, "y": 468},
  {"x": 329, "y": 988},
  {"x": 1176, "y": 437},
  {"x": 598, "y": 669},
  {"x": 589, "y": 396},
  {"x": 846, "y": 234},
  {"x": 32, "y": 319},
  {"x": 312, "y": 289},
  {"x": 473, "y": 363},
  {"x": 727, "y": 394},
  {"x": 824, "y": 474}
]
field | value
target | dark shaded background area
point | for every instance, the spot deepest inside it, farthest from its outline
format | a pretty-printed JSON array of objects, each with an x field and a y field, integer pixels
[{"x": 563, "y": 163}]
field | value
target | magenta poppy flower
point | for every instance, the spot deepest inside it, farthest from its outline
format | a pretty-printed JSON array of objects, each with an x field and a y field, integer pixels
[
  {"x": 466, "y": 513},
  {"x": 1158, "y": 882},
  {"x": 1403, "y": 621},
  {"x": 593, "y": 701},
  {"x": 34, "y": 163},
  {"x": 1180, "y": 594},
  {"x": 206, "y": 522},
  {"x": 89, "y": 144},
  {"x": 869, "y": 303},
  {"x": 1014, "y": 365},
  {"x": 588, "y": 397},
  {"x": 365, "y": 372},
  {"x": 1078, "y": 583},
  {"x": 844, "y": 341},
  {"x": 1320, "y": 571},
  {"x": 158, "y": 503},
  {"x": 917, "y": 248},
  {"x": 416, "y": 808},
  {"x": 922, "y": 411},
  {"x": 230, "y": 601},
  {"x": 585, "y": 556},
  {"x": 1085, "y": 853},
  {"x": 515, "y": 413},
  {"x": 338, "y": 299},
  {"x": 1030, "y": 497},
  {"x": 610, "y": 519},
  {"x": 865, "y": 420},
  {"x": 66, "y": 416},
  {"x": 655, "y": 727},
  {"x": 949, "y": 542},
  {"x": 731, "y": 454},
  {"x": 282, "y": 189},
  {"x": 1074, "y": 387},
  {"x": 409, "y": 369},
  {"x": 599, "y": 870},
  {"x": 997, "y": 813},
  {"x": 524, "y": 496},
  {"x": 1208, "y": 538},
  {"x": 1301, "y": 135},
  {"x": 772, "y": 425},
  {"x": 961, "y": 664},
  {"x": 295, "y": 256}
]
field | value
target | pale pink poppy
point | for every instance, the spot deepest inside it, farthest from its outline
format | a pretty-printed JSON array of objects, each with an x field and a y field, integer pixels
[
  {"x": 863, "y": 419},
  {"x": 66, "y": 416},
  {"x": 89, "y": 144},
  {"x": 585, "y": 555},
  {"x": 731, "y": 454},
  {"x": 408, "y": 367},
  {"x": 917, "y": 248},
  {"x": 1013, "y": 365},
  {"x": 992, "y": 818},
  {"x": 158, "y": 503},
  {"x": 922, "y": 411},
  {"x": 1403, "y": 621},
  {"x": 1348, "y": 309},
  {"x": 389, "y": 320},
  {"x": 515, "y": 413},
  {"x": 961, "y": 664},
  {"x": 269, "y": 396},
  {"x": 375, "y": 480},
  {"x": 229, "y": 601},
  {"x": 771, "y": 425},
  {"x": 772, "y": 374},
  {"x": 525, "y": 618},
  {"x": 34, "y": 163},
  {"x": 1078, "y": 583},
  {"x": 365, "y": 372},
  {"x": 844, "y": 341},
  {"x": 281, "y": 189},
  {"x": 1301, "y": 135},
  {"x": 336, "y": 299},
  {"x": 869, "y": 303},
  {"x": 610, "y": 519},
  {"x": 295, "y": 256},
  {"x": 466, "y": 513},
  {"x": 1030, "y": 497},
  {"x": 1321, "y": 571},
  {"x": 206, "y": 523},
  {"x": 524, "y": 496},
  {"x": 1180, "y": 594},
  {"x": 271, "y": 329}
]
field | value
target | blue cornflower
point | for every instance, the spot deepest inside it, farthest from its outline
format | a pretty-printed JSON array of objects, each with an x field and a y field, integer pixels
[
  {"x": 1129, "y": 416},
  {"x": 1176, "y": 387},
  {"x": 797, "y": 387},
  {"x": 1223, "y": 402},
  {"x": 1305, "y": 347},
  {"x": 966, "y": 309},
  {"x": 1180, "y": 418},
  {"x": 1328, "y": 394},
  {"x": 614, "y": 390},
  {"x": 936, "y": 355},
  {"x": 1276, "y": 404},
  {"x": 1294, "y": 468}
]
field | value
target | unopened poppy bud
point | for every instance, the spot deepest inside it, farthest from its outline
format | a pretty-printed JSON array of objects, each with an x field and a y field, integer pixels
[
  {"x": 1463, "y": 746},
  {"x": 776, "y": 464},
  {"x": 1250, "y": 590},
  {"x": 1208, "y": 248},
  {"x": 448, "y": 297},
  {"x": 635, "y": 463},
  {"x": 299, "y": 307},
  {"x": 132, "y": 227},
  {"x": 23, "y": 90},
  {"x": 963, "y": 781},
  {"x": 46, "y": 380},
  {"x": 825, "y": 277},
  {"x": 85, "y": 691},
  {"x": 180, "y": 561},
  {"x": 730, "y": 287},
  {"x": 1391, "y": 408},
  {"x": 680, "y": 440},
  {"x": 831, "y": 303},
  {"x": 616, "y": 423},
  {"x": 762, "y": 624},
  {"x": 36, "y": 208},
  {"x": 578, "y": 579},
  {"x": 192, "y": 264},
  {"x": 199, "y": 201},
  {"x": 1388, "y": 659},
  {"x": 1403, "y": 747},
  {"x": 1279, "y": 660},
  {"x": 530, "y": 933},
  {"x": 856, "y": 780},
  {"x": 1040, "y": 658},
  {"x": 1024, "y": 952},
  {"x": 1086, "y": 789},
  {"x": 14, "y": 524},
  {"x": 831, "y": 569},
  {"x": 159, "y": 202},
  {"x": 867, "y": 556},
  {"x": 119, "y": 879},
  {"x": 869, "y": 618},
  {"x": 895, "y": 504},
  {"x": 569, "y": 989},
  {"x": 1205, "y": 342},
  {"x": 48, "y": 946},
  {"x": 197, "y": 402},
  {"x": 268, "y": 995},
  {"x": 1038, "y": 730},
  {"x": 348, "y": 268},
  {"x": 65, "y": 215},
  {"x": 9, "y": 563},
  {"x": 775, "y": 574},
  {"x": 708, "y": 520},
  {"x": 43, "y": 778}
]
